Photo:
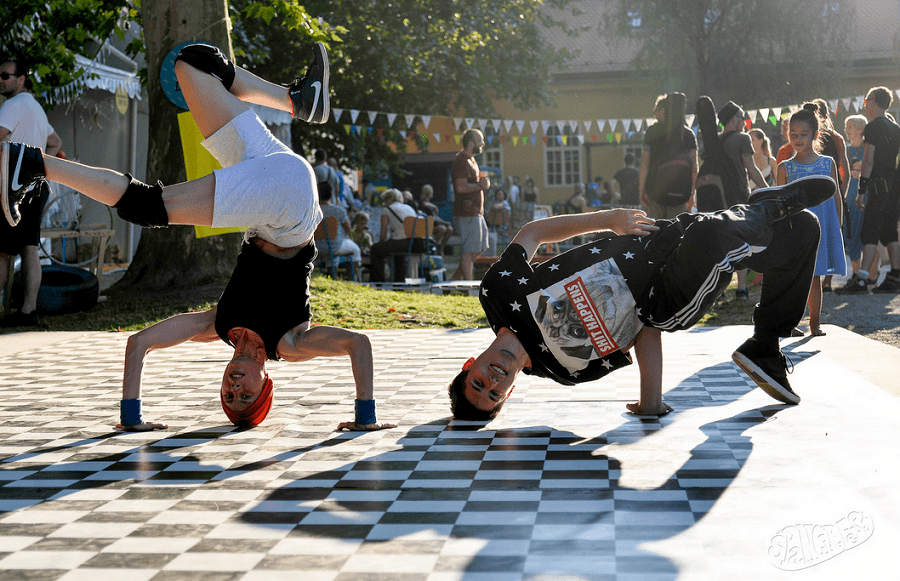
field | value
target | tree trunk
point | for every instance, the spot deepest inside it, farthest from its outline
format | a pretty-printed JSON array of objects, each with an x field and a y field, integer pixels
[{"x": 173, "y": 256}]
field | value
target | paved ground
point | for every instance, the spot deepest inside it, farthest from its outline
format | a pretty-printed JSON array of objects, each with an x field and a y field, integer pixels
[{"x": 563, "y": 485}]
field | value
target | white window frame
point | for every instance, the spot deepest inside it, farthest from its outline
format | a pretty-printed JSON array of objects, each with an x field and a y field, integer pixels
[{"x": 563, "y": 164}]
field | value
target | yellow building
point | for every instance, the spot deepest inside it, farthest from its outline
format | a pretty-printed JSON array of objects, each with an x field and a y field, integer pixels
[{"x": 602, "y": 108}]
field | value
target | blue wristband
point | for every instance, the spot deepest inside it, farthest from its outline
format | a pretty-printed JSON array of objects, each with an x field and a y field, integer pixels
[
  {"x": 130, "y": 412},
  {"x": 365, "y": 411}
]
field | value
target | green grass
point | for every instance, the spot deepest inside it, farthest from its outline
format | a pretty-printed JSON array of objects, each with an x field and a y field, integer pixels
[
  {"x": 333, "y": 302},
  {"x": 336, "y": 303}
]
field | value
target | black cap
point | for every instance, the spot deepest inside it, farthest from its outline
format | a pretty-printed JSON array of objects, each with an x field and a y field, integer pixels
[{"x": 727, "y": 112}]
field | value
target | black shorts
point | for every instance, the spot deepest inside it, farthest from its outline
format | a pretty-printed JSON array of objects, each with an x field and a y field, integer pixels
[
  {"x": 882, "y": 212},
  {"x": 13, "y": 240}
]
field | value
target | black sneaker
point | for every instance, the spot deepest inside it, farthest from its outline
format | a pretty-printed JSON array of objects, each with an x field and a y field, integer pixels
[
  {"x": 768, "y": 370},
  {"x": 20, "y": 167},
  {"x": 309, "y": 94},
  {"x": 854, "y": 286},
  {"x": 20, "y": 319},
  {"x": 890, "y": 284},
  {"x": 798, "y": 195}
]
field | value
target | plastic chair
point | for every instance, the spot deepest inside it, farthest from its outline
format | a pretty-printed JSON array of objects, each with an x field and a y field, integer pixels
[
  {"x": 418, "y": 228},
  {"x": 327, "y": 230}
]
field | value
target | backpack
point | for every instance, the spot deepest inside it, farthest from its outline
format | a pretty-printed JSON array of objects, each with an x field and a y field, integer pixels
[
  {"x": 718, "y": 182},
  {"x": 670, "y": 180}
]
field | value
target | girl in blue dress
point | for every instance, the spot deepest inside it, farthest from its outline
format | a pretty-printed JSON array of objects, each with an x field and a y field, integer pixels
[
  {"x": 853, "y": 127},
  {"x": 804, "y": 138}
]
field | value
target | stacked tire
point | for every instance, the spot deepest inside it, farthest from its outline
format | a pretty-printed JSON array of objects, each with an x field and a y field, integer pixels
[{"x": 64, "y": 289}]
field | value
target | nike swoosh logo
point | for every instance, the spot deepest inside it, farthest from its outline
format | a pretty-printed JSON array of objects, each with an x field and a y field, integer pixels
[
  {"x": 318, "y": 87},
  {"x": 15, "y": 179}
]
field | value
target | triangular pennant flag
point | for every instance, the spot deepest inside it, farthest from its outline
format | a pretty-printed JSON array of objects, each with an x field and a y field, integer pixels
[
  {"x": 458, "y": 139},
  {"x": 774, "y": 120},
  {"x": 594, "y": 137},
  {"x": 561, "y": 125},
  {"x": 637, "y": 124},
  {"x": 515, "y": 140},
  {"x": 410, "y": 119},
  {"x": 764, "y": 112},
  {"x": 372, "y": 116},
  {"x": 391, "y": 117},
  {"x": 833, "y": 103},
  {"x": 337, "y": 114},
  {"x": 496, "y": 125},
  {"x": 562, "y": 140},
  {"x": 544, "y": 139},
  {"x": 690, "y": 119},
  {"x": 580, "y": 138},
  {"x": 403, "y": 134},
  {"x": 354, "y": 113},
  {"x": 347, "y": 129},
  {"x": 457, "y": 122},
  {"x": 858, "y": 102},
  {"x": 776, "y": 111},
  {"x": 520, "y": 124},
  {"x": 545, "y": 125},
  {"x": 426, "y": 119},
  {"x": 587, "y": 125},
  {"x": 573, "y": 125},
  {"x": 437, "y": 137},
  {"x": 490, "y": 139},
  {"x": 600, "y": 125},
  {"x": 846, "y": 102},
  {"x": 470, "y": 122},
  {"x": 610, "y": 137},
  {"x": 508, "y": 123},
  {"x": 618, "y": 138},
  {"x": 534, "y": 126},
  {"x": 482, "y": 124},
  {"x": 503, "y": 139},
  {"x": 370, "y": 129},
  {"x": 752, "y": 115},
  {"x": 793, "y": 108}
]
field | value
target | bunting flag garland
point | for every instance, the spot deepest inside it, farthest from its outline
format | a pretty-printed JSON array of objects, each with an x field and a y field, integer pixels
[{"x": 565, "y": 132}]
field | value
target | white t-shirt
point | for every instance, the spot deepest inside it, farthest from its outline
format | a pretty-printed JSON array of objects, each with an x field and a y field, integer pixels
[
  {"x": 26, "y": 121},
  {"x": 513, "y": 194},
  {"x": 403, "y": 211}
]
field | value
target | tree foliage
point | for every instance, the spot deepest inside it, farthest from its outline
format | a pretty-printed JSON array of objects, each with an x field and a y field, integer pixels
[
  {"x": 437, "y": 57},
  {"x": 752, "y": 51},
  {"x": 46, "y": 36}
]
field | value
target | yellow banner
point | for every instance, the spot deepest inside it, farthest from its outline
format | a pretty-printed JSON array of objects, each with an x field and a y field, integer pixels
[{"x": 198, "y": 162}]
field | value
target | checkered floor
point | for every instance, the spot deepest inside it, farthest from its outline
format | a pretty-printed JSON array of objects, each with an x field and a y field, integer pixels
[{"x": 564, "y": 485}]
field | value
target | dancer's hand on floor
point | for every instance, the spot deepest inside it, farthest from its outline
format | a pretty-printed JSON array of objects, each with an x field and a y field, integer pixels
[{"x": 354, "y": 427}]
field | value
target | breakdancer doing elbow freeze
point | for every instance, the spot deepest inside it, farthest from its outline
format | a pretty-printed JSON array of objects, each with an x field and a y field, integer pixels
[
  {"x": 264, "y": 312},
  {"x": 574, "y": 318}
]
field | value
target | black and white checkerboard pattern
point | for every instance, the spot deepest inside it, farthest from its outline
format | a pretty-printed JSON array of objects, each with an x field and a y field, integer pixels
[{"x": 563, "y": 486}]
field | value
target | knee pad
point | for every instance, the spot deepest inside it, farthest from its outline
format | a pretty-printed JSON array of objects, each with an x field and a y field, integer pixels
[
  {"x": 142, "y": 204},
  {"x": 210, "y": 60}
]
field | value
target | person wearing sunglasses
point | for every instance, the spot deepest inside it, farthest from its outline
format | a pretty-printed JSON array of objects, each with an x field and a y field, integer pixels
[{"x": 23, "y": 120}]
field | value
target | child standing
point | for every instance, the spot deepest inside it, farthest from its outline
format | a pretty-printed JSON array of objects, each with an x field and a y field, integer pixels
[{"x": 804, "y": 139}]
